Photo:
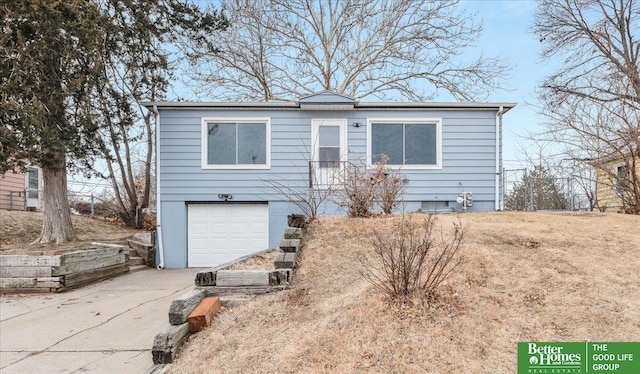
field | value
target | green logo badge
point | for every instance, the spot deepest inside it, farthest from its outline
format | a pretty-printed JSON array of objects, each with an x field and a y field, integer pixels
[{"x": 574, "y": 357}]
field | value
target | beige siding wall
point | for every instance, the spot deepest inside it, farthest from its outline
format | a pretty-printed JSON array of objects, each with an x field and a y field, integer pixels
[
  {"x": 12, "y": 182},
  {"x": 605, "y": 186}
]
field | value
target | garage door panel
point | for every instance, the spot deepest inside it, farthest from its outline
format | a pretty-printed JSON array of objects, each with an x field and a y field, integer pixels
[{"x": 219, "y": 233}]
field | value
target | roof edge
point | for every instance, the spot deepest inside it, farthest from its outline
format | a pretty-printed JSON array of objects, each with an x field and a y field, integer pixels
[
  {"x": 193, "y": 104},
  {"x": 436, "y": 105},
  {"x": 358, "y": 105}
]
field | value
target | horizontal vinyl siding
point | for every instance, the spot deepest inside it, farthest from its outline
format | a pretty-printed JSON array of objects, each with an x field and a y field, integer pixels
[
  {"x": 468, "y": 162},
  {"x": 468, "y": 154},
  {"x": 11, "y": 182},
  {"x": 181, "y": 174}
]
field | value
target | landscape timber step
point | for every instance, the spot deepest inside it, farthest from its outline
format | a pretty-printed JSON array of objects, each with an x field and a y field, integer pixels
[
  {"x": 133, "y": 269},
  {"x": 251, "y": 278},
  {"x": 206, "y": 277},
  {"x": 158, "y": 369},
  {"x": 144, "y": 250},
  {"x": 285, "y": 260},
  {"x": 135, "y": 260},
  {"x": 91, "y": 276},
  {"x": 235, "y": 291},
  {"x": 167, "y": 343},
  {"x": 82, "y": 261},
  {"x": 296, "y": 220},
  {"x": 25, "y": 260},
  {"x": 290, "y": 245},
  {"x": 123, "y": 243},
  {"x": 181, "y": 307},
  {"x": 7, "y": 284},
  {"x": 293, "y": 233},
  {"x": 233, "y": 301},
  {"x": 203, "y": 313},
  {"x": 25, "y": 271}
]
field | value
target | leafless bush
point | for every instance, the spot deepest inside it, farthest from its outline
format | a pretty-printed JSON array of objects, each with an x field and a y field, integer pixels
[
  {"x": 308, "y": 200},
  {"x": 388, "y": 185},
  {"x": 358, "y": 191},
  {"x": 408, "y": 265},
  {"x": 363, "y": 188}
]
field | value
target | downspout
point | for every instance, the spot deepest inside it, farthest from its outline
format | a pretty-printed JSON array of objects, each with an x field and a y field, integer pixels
[
  {"x": 498, "y": 121},
  {"x": 158, "y": 202}
]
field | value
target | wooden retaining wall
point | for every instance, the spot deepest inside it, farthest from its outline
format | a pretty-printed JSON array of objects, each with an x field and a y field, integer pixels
[{"x": 57, "y": 273}]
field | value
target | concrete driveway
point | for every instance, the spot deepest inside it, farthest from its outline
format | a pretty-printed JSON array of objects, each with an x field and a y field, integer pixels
[{"x": 107, "y": 327}]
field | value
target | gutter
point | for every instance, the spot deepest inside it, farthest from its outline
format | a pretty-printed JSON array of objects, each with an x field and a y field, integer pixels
[
  {"x": 498, "y": 202},
  {"x": 158, "y": 201},
  {"x": 296, "y": 105}
]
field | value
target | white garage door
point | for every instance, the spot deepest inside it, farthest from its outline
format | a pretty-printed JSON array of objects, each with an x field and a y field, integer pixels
[{"x": 219, "y": 233}]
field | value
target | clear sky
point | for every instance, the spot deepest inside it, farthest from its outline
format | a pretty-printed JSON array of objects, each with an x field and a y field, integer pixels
[{"x": 507, "y": 35}]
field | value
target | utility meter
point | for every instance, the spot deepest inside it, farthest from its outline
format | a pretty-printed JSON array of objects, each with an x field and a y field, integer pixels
[{"x": 466, "y": 199}]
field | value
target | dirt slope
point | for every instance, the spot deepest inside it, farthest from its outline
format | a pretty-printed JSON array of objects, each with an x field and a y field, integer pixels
[
  {"x": 18, "y": 229},
  {"x": 530, "y": 277}
]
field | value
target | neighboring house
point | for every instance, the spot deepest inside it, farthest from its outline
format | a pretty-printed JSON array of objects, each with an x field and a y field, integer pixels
[
  {"x": 21, "y": 191},
  {"x": 216, "y": 161},
  {"x": 612, "y": 180}
]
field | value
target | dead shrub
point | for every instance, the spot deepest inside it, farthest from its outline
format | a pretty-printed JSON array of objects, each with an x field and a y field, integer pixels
[
  {"x": 388, "y": 185},
  {"x": 358, "y": 191},
  {"x": 364, "y": 187},
  {"x": 408, "y": 264}
]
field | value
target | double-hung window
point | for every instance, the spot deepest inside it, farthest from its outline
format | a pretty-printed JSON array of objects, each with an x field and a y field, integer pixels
[
  {"x": 236, "y": 144},
  {"x": 413, "y": 144}
]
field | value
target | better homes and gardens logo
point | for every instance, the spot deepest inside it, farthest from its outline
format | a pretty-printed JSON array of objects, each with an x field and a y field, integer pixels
[
  {"x": 574, "y": 357},
  {"x": 552, "y": 357}
]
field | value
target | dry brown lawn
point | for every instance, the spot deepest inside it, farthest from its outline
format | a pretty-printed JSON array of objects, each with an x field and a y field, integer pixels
[
  {"x": 529, "y": 277},
  {"x": 18, "y": 229}
]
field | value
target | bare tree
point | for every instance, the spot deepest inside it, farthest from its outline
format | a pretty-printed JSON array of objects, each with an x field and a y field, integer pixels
[
  {"x": 278, "y": 49},
  {"x": 592, "y": 103},
  {"x": 137, "y": 65}
]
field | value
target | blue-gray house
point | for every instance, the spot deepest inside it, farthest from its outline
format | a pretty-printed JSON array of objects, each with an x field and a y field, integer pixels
[{"x": 216, "y": 162}]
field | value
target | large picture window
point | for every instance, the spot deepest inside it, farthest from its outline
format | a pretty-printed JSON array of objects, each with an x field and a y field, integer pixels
[
  {"x": 414, "y": 144},
  {"x": 242, "y": 144}
]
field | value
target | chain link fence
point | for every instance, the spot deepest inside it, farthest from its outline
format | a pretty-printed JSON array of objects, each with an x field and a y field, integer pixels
[
  {"x": 535, "y": 189},
  {"x": 91, "y": 204}
]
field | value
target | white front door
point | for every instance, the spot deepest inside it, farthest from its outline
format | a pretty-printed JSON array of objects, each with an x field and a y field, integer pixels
[
  {"x": 329, "y": 140},
  {"x": 219, "y": 233}
]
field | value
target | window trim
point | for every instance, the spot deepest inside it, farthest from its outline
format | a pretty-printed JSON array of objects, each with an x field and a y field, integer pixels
[
  {"x": 315, "y": 136},
  {"x": 619, "y": 183},
  {"x": 618, "y": 166},
  {"x": 30, "y": 192},
  {"x": 417, "y": 121},
  {"x": 205, "y": 144}
]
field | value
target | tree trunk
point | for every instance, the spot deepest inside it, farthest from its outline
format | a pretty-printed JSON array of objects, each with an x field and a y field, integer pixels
[{"x": 56, "y": 224}]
